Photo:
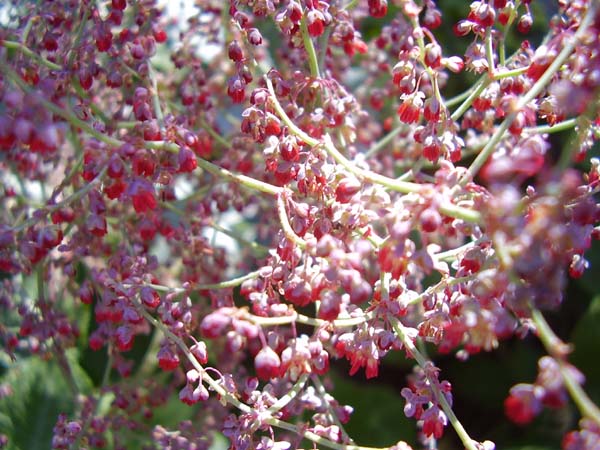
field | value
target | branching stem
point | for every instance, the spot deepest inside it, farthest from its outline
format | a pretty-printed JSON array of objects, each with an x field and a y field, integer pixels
[
  {"x": 400, "y": 330},
  {"x": 558, "y": 350},
  {"x": 535, "y": 90}
]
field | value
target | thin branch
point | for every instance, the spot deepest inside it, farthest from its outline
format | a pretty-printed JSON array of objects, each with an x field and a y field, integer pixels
[
  {"x": 202, "y": 287},
  {"x": 535, "y": 90},
  {"x": 558, "y": 350},
  {"x": 31, "y": 54},
  {"x": 377, "y": 146},
  {"x": 467, "y": 441},
  {"x": 243, "y": 180},
  {"x": 310, "y": 49},
  {"x": 285, "y": 224},
  {"x": 323, "y": 394},
  {"x": 556, "y": 128},
  {"x": 290, "y": 395},
  {"x": 231, "y": 399}
]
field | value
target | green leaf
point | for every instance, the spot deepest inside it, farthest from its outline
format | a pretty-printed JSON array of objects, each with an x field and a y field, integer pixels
[
  {"x": 378, "y": 419},
  {"x": 585, "y": 338},
  {"x": 172, "y": 413},
  {"x": 39, "y": 394},
  {"x": 82, "y": 380}
]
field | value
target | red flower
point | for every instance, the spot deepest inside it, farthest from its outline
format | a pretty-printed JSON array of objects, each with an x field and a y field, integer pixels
[
  {"x": 115, "y": 189},
  {"x": 143, "y": 198},
  {"x": 267, "y": 364},
  {"x": 236, "y": 89},
  {"x": 124, "y": 338},
  {"x": 167, "y": 359},
  {"x": 315, "y": 22},
  {"x": 434, "y": 422},
  {"x": 378, "y": 8},
  {"x": 187, "y": 160},
  {"x": 96, "y": 342},
  {"x": 346, "y": 189},
  {"x": 410, "y": 109},
  {"x": 522, "y": 405}
]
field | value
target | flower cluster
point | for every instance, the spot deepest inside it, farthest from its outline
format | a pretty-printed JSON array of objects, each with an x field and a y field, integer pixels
[{"x": 369, "y": 209}]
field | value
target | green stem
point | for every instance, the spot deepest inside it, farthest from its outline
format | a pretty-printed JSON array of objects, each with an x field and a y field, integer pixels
[
  {"x": 80, "y": 193},
  {"x": 216, "y": 136},
  {"x": 333, "y": 416},
  {"x": 498, "y": 75},
  {"x": 220, "y": 172},
  {"x": 306, "y": 138},
  {"x": 351, "y": 5},
  {"x": 127, "y": 124},
  {"x": 506, "y": 28},
  {"x": 384, "y": 141},
  {"x": 285, "y": 224},
  {"x": 404, "y": 187},
  {"x": 107, "y": 368},
  {"x": 67, "y": 201},
  {"x": 215, "y": 385},
  {"x": 502, "y": 52},
  {"x": 413, "y": 171},
  {"x": 306, "y": 320},
  {"x": 290, "y": 395},
  {"x": 558, "y": 350},
  {"x": 458, "y": 212},
  {"x": 535, "y": 90},
  {"x": 370, "y": 235},
  {"x": 487, "y": 150},
  {"x": 450, "y": 255},
  {"x": 585, "y": 405},
  {"x": 228, "y": 397},
  {"x": 433, "y": 75},
  {"x": 205, "y": 287},
  {"x": 474, "y": 91},
  {"x": 335, "y": 153},
  {"x": 31, "y": 54},
  {"x": 584, "y": 130},
  {"x": 61, "y": 112},
  {"x": 489, "y": 50},
  {"x": 155, "y": 98},
  {"x": 243, "y": 180},
  {"x": 460, "y": 97},
  {"x": 93, "y": 106},
  {"x": 324, "y": 45},
  {"x": 74, "y": 170},
  {"x": 315, "y": 437},
  {"x": 400, "y": 330},
  {"x": 482, "y": 83},
  {"x": 53, "y": 66},
  {"x": 310, "y": 49},
  {"x": 556, "y": 128},
  {"x": 84, "y": 18},
  {"x": 443, "y": 284},
  {"x": 27, "y": 29}
]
